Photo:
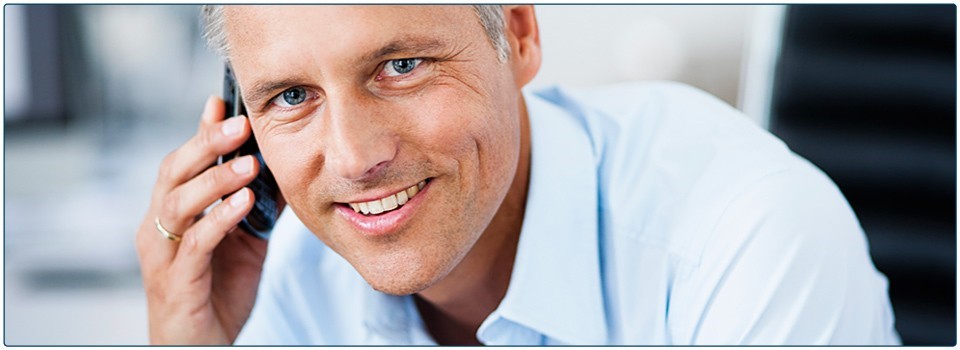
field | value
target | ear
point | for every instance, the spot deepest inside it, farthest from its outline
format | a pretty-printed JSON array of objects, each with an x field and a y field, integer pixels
[{"x": 524, "y": 38}]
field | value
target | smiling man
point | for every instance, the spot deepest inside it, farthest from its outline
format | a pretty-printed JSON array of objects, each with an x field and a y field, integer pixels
[{"x": 432, "y": 201}]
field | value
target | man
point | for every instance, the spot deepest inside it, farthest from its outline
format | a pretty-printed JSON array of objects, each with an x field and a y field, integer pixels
[{"x": 434, "y": 202}]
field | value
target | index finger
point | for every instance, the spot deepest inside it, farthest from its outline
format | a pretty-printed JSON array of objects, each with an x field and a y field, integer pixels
[
  {"x": 214, "y": 110},
  {"x": 201, "y": 151}
]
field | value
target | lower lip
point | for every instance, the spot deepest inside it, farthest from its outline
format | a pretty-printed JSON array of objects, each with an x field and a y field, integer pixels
[{"x": 383, "y": 224}]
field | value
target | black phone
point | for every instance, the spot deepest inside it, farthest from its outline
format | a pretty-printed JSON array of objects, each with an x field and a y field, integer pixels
[{"x": 265, "y": 211}]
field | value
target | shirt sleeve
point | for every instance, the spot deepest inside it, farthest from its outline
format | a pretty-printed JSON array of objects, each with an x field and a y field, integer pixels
[{"x": 787, "y": 264}]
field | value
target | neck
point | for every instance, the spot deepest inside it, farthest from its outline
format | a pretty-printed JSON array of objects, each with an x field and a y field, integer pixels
[{"x": 454, "y": 308}]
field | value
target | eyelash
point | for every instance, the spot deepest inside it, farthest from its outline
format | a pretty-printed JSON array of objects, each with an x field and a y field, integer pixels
[
  {"x": 420, "y": 61},
  {"x": 274, "y": 102}
]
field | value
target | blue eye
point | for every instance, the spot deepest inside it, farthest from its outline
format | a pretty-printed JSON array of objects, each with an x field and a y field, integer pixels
[
  {"x": 400, "y": 67},
  {"x": 291, "y": 97}
]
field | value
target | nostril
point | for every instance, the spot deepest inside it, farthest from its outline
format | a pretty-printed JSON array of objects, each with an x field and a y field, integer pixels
[
  {"x": 355, "y": 169},
  {"x": 360, "y": 161},
  {"x": 375, "y": 169}
]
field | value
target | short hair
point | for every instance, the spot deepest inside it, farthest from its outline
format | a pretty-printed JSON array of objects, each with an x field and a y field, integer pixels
[{"x": 490, "y": 16}]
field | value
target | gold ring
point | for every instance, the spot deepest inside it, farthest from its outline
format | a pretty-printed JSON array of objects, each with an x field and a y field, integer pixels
[{"x": 170, "y": 235}]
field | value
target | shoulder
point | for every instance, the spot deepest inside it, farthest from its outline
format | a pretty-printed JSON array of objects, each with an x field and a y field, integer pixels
[
  {"x": 786, "y": 263},
  {"x": 755, "y": 243},
  {"x": 670, "y": 158}
]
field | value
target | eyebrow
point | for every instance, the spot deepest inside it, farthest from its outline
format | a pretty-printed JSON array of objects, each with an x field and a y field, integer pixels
[
  {"x": 410, "y": 45},
  {"x": 403, "y": 45}
]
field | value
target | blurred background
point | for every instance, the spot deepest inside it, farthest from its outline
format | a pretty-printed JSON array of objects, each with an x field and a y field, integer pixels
[{"x": 96, "y": 95}]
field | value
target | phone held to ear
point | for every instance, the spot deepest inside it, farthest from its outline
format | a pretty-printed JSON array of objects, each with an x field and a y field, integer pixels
[{"x": 264, "y": 214}]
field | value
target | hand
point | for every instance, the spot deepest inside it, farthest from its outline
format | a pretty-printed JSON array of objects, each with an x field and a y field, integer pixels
[{"x": 201, "y": 289}]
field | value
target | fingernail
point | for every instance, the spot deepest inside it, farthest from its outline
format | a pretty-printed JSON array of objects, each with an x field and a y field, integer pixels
[
  {"x": 243, "y": 165},
  {"x": 232, "y": 126},
  {"x": 239, "y": 199}
]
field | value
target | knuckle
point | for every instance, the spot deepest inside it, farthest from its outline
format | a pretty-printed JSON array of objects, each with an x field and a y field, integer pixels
[
  {"x": 216, "y": 217},
  {"x": 221, "y": 218},
  {"x": 211, "y": 178},
  {"x": 189, "y": 240},
  {"x": 206, "y": 139},
  {"x": 166, "y": 166},
  {"x": 171, "y": 204},
  {"x": 222, "y": 173}
]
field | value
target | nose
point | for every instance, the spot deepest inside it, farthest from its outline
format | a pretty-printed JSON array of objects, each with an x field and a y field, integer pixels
[{"x": 360, "y": 143}]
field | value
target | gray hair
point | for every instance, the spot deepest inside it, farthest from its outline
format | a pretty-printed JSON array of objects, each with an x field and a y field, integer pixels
[{"x": 490, "y": 16}]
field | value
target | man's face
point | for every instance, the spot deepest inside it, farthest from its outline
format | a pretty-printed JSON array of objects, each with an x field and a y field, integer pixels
[{"x": 356, "y": 104}]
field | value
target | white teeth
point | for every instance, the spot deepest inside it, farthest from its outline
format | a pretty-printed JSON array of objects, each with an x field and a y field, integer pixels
[
  {"x": 388, "y": 203},
  {"x": 364, "y": 208},
  {"x": 376, "y": 207}
]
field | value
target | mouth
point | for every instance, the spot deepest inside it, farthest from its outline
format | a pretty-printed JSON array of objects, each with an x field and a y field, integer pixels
[
  {"x": 386, "y": 215},
  {"x": 389, "y": 203}
]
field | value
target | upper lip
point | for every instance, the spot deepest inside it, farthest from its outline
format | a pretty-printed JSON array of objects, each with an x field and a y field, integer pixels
[{"x": 380, "y": 194}]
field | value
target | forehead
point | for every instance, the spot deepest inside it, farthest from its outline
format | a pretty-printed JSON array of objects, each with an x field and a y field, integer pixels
[{"x": 279, "y": 32}]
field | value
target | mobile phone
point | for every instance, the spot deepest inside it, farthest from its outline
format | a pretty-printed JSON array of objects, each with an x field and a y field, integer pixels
[{"x": 261, "y": 219}]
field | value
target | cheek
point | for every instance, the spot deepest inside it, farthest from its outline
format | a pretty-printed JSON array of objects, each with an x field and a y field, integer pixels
[
  {"x": 441, "y": 123},
  {"x": 461, "y": 120},
  {"x": 292, "y": 158},
  {"x": 473, "y": 136}
]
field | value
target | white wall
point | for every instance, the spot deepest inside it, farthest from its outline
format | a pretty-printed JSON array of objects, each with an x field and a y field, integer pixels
[{"x": 701, "y": 45}]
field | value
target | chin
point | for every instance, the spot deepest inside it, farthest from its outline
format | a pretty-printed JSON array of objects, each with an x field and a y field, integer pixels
[
  {"x": 399, "y": 289},
  {"x": 404, "y": 276},
  {"x": 401, "y": 283}
]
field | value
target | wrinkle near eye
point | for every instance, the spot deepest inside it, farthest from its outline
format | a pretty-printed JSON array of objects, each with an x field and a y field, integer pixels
[
  {"x": 468, "y": 79},
  {"x": 272, "y": 126}
]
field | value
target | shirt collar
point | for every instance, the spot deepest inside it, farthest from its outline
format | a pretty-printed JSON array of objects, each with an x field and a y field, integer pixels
[
  {"x": 555, "y": 286},
  {"x": 393, "y": 320}
]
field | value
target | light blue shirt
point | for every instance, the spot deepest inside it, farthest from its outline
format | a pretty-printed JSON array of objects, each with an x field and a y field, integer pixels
[{"x": 656, "y": 214}]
